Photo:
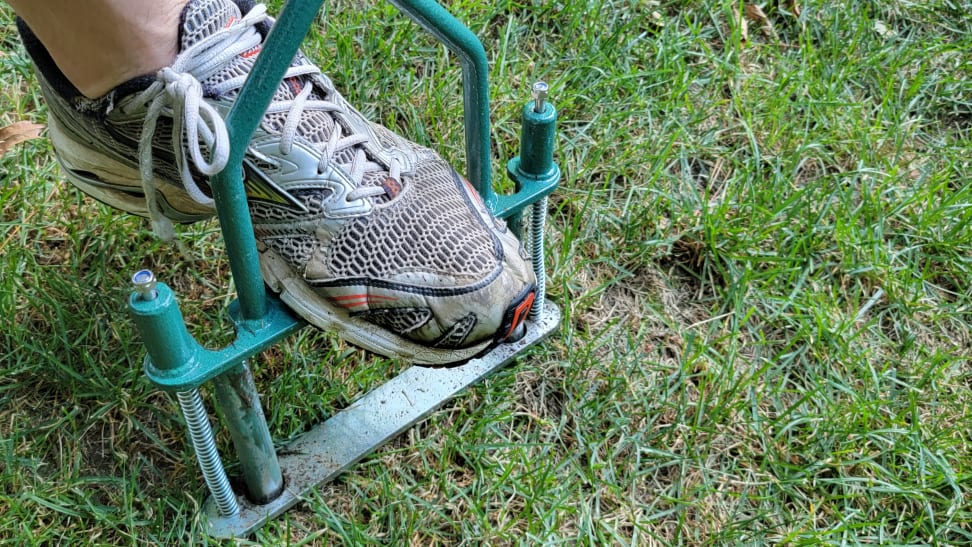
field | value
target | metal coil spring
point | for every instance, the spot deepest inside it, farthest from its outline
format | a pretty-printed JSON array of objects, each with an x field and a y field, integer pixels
[
  {"x": 203, "y": 442},
  {"x": 538, "y": 217}
]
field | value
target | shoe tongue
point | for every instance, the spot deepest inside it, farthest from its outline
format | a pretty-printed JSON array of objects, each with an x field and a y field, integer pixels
[{"x": 201, "y": 18}]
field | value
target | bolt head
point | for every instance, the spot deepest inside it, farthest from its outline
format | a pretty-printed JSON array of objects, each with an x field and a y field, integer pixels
[
  {"x": 540, "y": 90},
  {"x": 145, "y": 283}
]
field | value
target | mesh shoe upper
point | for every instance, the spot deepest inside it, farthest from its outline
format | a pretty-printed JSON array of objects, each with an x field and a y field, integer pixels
[{"x": 354, "y": 222}]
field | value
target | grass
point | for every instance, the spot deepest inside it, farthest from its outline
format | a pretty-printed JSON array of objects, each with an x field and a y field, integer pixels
[{"x": 762, "y": 247}]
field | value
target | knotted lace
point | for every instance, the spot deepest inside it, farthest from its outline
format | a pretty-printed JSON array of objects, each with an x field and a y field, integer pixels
[{"x": 199, "y": 129}]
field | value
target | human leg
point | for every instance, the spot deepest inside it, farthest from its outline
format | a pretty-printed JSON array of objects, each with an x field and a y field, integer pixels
[{"x": 99, "y": 44}]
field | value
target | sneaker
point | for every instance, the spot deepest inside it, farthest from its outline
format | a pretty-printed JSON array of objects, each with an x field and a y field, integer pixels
[{"x": 359, "y": 230}]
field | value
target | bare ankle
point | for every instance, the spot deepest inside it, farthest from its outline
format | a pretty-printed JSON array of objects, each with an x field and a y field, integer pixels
[{"x": 99, "y": 44}]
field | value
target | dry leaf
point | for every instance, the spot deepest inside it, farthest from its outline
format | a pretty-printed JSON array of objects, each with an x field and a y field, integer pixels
[
  {"x": 756, "y": 14},
  {"x": 793, "y": 7},
  {"x": 882, "y": 29},
  {"x": 743, "y": 25},
  {"x": 16, "y": 133}
]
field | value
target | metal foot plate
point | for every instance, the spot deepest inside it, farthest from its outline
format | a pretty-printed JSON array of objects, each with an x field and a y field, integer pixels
[{"x": 334, "y": 445}]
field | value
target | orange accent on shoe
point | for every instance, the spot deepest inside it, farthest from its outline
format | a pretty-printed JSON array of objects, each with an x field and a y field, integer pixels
[
  {"x": 520, "y": 313},
  {"x": 355, "y": 300},
  {"x": 392, "y": 187},
  {"x": 295, "y": 85},
  {"x": 472, "y": 190}
]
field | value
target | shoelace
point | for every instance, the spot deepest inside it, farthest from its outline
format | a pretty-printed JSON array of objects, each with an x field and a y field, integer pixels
[{"x": 178, "y": 93}]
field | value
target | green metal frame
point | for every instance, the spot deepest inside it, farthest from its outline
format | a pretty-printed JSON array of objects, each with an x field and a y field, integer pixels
[{"x": 176, "y": 362}]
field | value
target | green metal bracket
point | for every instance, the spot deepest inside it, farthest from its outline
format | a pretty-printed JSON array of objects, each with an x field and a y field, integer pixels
[
  {"x": 177, "y": 362},
  {"x": 241, "y": 122},
  {"x": 533, "y": 172},
  {"x": 475, "y": 84}
]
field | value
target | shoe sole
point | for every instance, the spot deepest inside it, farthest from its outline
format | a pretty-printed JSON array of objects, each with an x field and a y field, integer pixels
[{"x": 321, "y": 313}]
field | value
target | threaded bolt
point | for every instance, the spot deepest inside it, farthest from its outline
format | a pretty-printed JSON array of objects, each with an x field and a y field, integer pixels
[
  {"x": 540, "y": 90},
  {"x": 203, "y": 442}
]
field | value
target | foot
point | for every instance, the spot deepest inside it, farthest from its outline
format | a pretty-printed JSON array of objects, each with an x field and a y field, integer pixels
[{"x": 359, "y": 230}]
